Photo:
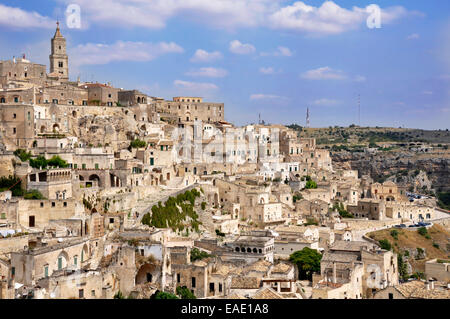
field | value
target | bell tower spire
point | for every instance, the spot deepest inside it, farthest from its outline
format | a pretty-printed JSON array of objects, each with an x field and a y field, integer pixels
[{"x": 59, "y": 61}]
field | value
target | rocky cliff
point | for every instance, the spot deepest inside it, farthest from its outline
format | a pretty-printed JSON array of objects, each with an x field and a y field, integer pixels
[{"x": 415, "y": 169}]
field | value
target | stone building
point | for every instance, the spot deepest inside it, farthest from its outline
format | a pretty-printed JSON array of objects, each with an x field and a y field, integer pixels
[
  {"x": 189, "y": 109},
  {"x": 59, "y": 60}
]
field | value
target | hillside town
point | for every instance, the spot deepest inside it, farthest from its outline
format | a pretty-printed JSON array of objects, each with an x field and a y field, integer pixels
[{"x": 109, "y": 193}]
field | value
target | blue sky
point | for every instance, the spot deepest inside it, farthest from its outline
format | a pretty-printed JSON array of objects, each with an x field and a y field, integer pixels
[{"x": 274, "y": 57}]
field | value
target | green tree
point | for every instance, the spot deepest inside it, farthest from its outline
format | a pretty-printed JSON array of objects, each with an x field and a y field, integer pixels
[
  {"x": 57, "y": 161},
  {"x": 185, "y": 293},
  {"x": 307, "y": 261},
  {"x": 12, "y": 183},
  {"x": 23, "y": 155},
  {"x": 39, "y": 162}
]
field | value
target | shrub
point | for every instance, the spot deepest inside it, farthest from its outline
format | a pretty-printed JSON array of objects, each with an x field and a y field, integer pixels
[
  {"x": 164, "y": 295},
  {"x": 422, "y": 231},
  {"x": 385, "y": 244},
  {"x": 203, "y": 205},
  {"x": 197, "y": 254},
  {"x": 311, "y": 185},
  {"x": 33, "y": 194},
  {"x": 394, "y": 234},
  {"x": 185, "y": 293},
  {"x": 436, "y": 245},
  {"x": 137, "y": 143},
  {"x": 12, "y": 183},
  {"x": 311, "y": 221}
]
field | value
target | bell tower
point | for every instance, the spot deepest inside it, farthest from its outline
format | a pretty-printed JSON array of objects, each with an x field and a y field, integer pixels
[{"x": 59, "y": 61}]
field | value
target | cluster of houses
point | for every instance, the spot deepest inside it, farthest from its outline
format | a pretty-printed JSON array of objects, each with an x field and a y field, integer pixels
[{"x": 87, "y": 164}]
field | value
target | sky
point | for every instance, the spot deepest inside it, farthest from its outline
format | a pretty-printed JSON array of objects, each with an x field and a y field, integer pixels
[{"x": 268, "y": 57}]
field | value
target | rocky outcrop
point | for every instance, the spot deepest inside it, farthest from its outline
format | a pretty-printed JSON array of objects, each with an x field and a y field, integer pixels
[{"x": 403, "y": 167}]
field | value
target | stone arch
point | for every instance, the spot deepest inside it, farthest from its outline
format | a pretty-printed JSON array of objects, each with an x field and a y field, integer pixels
[
  {"x": 43, "y": 129},
  {"x": 74, "y": 113},
  {"x": 95, "y": 177},
  {"x": 56, "y": 128},
  {"x": 84, "y": 253},
  {"x": 63, "y": 260},
  {"x": 148, "y": 272},
  {"x": 2, "y": 99}
]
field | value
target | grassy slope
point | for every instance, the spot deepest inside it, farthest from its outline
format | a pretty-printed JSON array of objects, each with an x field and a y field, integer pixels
[{"x": 412, "y": 239}]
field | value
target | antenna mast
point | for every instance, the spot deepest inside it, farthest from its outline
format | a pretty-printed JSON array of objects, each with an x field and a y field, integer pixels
[{"x": 307, "y": 117}]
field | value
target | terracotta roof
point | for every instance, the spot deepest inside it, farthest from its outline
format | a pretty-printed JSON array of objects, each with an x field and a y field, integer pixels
[
  {"x": 245, "y": 282},
  {"x": 260, "y": 265},
  {"x": 282, "y": 268},
  {"x": 417, "y": 290},
  {"x": 267, "y": 293}
]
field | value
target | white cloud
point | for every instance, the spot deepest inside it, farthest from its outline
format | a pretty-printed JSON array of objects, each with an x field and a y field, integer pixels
[
  {"x": 202, "y": 56},
  {"x": 195, "y": 86},
  {"x": 268, "y": 70},
  {"x": 360, "y": 78},
  {"x": 261, "y": 96},
  {"x": 329, "y": 18},
  {"x": 18, "y": 18},
  {"x": 281, "y": 51},
  {"x": 154, "y": 14},
  {"x": 241, "y": 48},
  {"x": 324, "y": 73},
  {"x": 413, "y": 36},
  {"x": 326, "y": 102},
  {"x": 208, "y": 72},
  {"x": 92, "y": 53},
  {"x": 427, "y": 92}
]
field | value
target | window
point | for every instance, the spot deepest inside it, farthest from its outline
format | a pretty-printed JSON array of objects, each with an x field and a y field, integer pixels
[
  {"x": 391, "y": 296},
  {"x": 59, "y": 263},
  {"x": 220, "y": 287},
  {"x": 13, "y": 271},
  {"x": 81, "y": 293},
  {"x": 53, "y": 204},
  {"x": 75, "y": 260},
  {"x": 65, "y": 203},
  {"x": 193, "y": 282},
  {"x": 46, "y": 271},
  {"x": 14, "y": 115},
  {"x": 60, "y": 64},
  {"x": 178, "y": 278},
  {"x": 93, "y": 293},
  {"x": 211, "y": 287},
  {"x": 14, "y": 130}
]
